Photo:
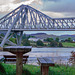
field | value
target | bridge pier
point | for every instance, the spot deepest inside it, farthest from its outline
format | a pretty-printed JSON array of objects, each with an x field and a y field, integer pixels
[
  {"x": 12, "y": 25},
  {"x": 19, "y": 38}
]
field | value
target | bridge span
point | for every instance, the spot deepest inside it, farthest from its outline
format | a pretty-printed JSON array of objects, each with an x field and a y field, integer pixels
[{"x": 26, "y": 18}]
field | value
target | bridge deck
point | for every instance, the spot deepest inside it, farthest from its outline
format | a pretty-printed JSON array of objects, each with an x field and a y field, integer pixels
[{"x": 64, "y": 29}]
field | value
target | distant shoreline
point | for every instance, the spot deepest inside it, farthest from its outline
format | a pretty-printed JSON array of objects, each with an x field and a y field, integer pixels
[{"x": 53, "y": 47}]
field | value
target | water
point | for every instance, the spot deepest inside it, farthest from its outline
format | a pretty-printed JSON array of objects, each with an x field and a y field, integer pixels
[{"x": 55, "y": 54}]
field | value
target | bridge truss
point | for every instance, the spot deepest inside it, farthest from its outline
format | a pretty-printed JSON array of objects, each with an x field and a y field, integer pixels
[{"x": 26, "y": 18}]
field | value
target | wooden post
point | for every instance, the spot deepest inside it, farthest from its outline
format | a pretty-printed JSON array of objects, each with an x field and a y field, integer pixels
[
  {"x": 19, "y": 64},
  {"x": 44, "y": 70}
]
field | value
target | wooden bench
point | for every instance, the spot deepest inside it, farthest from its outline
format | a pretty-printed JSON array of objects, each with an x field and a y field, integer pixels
[
  {"x": 12, "y": 58},
  {"x": 45, "y": 63}
]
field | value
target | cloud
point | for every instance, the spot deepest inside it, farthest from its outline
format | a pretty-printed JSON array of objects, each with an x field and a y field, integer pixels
[
  {"x": 3, "y": 2},
  {"x": 8, "y": 5},
  {"x": 52, "y": 8},
  {"x": 52, "y": 0},
  {"x": 54, "y": 14},
  {"x": 59, "y": 6}
]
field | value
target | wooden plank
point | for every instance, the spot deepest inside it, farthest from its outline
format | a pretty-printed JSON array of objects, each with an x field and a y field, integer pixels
[
  {"x": 41, "y": 61},
  {"x": 45, "y": 61},
  {"x": 49, "y": 61},
  {"x": 13, "y": 60},
  {"x": 14, "y": 56},
  {"x": 18, "y": 47}
]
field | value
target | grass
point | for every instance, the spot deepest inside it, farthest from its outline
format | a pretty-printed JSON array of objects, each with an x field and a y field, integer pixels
[
  {"x": 67, "y": 44},
  {"x": 35, "y": 70}
]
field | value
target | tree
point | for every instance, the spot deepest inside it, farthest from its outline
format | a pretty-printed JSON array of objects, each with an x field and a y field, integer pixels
[
  {"x": 57, "y": 39},
  {"x": 2, "y": 34},
  {"x": 60, "y": 44},
  {"x": 69, "y": 40},
  {"x": 24, "y": 36},
  {"x": 49, "y": 39},
  {"x": 39, "y": 43},
  {"x": 53, "y": 44},
  {"x": 13, "y": 40},
  {"x": 26, "y": 42}
]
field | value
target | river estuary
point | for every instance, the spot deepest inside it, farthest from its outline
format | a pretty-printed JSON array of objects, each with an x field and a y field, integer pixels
[{"x": 55, "y": 54}]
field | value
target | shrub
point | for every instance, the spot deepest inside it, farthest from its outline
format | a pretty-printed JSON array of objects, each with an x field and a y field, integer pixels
[
  {"x": 60, "y": 44},
  {"x": 53, "y": 44},
  {"x": 2, "y": 69},
  {"x": 72, "y": 58},
  {"x": 39, "y": 43}
]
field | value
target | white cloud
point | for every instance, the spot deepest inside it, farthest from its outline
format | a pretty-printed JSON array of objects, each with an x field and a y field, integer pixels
[
  {"x": 3, "y": 2},
  {"x": 54, "y": 14},
  {"x": 8, "y": 5}
]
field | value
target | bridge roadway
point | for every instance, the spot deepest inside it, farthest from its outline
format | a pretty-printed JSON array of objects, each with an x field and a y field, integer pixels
[{"x": 19, "y": 30}]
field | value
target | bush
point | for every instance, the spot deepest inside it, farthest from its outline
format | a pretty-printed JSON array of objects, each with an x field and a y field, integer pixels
[
  {"x": 57, "y": 39},
  {"x": 39, "y": 43},
  {"x": 53, "y": 44},
  {"x": 60, "y": 44},
  {"x": 26, "y": 42},
  {"x": 2, "y": 69},
  {"x": 72, "y": 58}
]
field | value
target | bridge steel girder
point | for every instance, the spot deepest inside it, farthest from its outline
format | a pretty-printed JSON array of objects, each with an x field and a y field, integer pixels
[
  {"x": 7, "y": 40},
  {"x": 32, "y": 19},
  {"x": 9, "y": 30},
  {"x": 26, "y": 18}
]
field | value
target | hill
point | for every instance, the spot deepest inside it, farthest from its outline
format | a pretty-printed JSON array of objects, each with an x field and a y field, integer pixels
[{"x": 44, "y": 36}]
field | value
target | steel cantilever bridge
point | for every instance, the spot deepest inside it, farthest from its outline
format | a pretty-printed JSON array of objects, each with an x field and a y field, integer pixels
[{"x": 26, "y": 18}]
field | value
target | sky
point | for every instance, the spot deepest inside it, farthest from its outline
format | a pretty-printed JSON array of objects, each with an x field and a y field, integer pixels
[{"x": 52, "y": 8}]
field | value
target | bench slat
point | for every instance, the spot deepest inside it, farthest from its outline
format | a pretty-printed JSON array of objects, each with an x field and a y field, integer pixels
[
  {"x": 14, "y": 60},
  {"x": 49, "y": 61},
  {"x": 14, "y": 56},
  {"x": 45, "y": 61},
  {"x": 42, "y": 60}
]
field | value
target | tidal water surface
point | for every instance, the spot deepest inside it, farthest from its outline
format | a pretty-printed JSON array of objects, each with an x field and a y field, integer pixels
[{"x": 55, "y": 54}]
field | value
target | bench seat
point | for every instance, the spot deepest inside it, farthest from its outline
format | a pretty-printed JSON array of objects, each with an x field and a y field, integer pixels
[
  {"x": 44, "y": 62},
  {"x": 12, "y": 58}
]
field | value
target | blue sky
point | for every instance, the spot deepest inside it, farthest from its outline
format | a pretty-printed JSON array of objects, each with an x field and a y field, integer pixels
[{"x": 52, "y": 8}]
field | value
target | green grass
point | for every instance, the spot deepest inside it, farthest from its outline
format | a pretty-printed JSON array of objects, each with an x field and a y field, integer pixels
[
  {"x": 67, "y": 44},
  {"x": 35, "y": 70}
]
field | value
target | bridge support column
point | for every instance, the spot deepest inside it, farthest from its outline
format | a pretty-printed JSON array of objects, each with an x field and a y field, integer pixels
[
  {"x": 8, "y": 32},
  {"x": 19, "y": 37}
]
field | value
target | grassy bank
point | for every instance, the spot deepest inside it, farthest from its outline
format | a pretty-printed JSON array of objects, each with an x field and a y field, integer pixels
[
  {"x": 35, "y": 70},
  {"x": 67, "y": 44}
]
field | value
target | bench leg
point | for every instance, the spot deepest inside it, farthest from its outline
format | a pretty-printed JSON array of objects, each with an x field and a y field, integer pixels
[{"x": 44, "y": 70}]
